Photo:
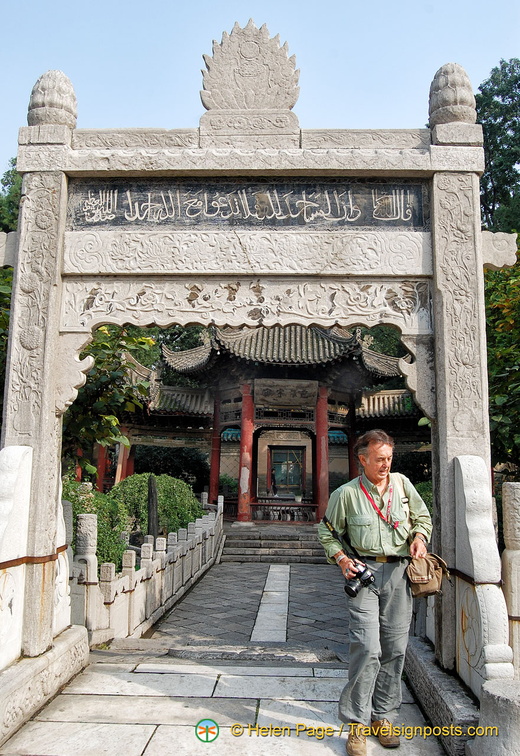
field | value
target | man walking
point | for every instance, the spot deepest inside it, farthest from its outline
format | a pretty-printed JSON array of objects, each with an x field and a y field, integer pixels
[{"x": 386, "y": 522}]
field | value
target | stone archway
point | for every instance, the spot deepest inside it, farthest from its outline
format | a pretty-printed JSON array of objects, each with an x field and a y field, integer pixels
[{"x": 249, "y": 220}]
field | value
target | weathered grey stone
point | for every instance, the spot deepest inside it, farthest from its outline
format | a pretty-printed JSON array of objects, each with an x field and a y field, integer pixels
[
  {"x": 476, "y": 548},
  {"x": 8, "y": 248},
  {"x": 458, "y": 133},
  {"x": 26, "y": 685},
  {"x": 451, "y": 96},
  {"x": 498, "y": 249},
  {"x": 498, "y": 732},
  {"x": 53, "y": 101},
  {"x": 443, "y": 698}
]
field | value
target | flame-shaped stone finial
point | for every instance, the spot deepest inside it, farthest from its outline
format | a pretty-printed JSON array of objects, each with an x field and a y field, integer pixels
[{"x": 250, "y": 71}]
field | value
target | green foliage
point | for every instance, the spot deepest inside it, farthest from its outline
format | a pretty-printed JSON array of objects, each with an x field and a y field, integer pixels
[
  {"x": 96, "y": 415},
  {"x": 498, "y": 110},
  {"x": 177, "y": 504},
  {"x": 503, "y": 334},
  {"x": 417, "y": 466},
  {"x": 227, "y": 485},
  {"x": 190, "y": 465},
  {"x": 6, "y": 284},
  {"x": 10, "y": 198},
  {"x": 385, "y": 340},
  {"x": 111, "y": 518},
  {"x": 425, "y": 491}
]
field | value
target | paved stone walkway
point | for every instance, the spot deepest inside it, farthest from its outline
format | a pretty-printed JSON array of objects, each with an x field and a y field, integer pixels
[{"x": 146, "y": 697}]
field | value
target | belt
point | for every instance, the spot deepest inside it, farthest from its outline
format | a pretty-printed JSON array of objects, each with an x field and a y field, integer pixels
[{"x": 382, "y": 558}]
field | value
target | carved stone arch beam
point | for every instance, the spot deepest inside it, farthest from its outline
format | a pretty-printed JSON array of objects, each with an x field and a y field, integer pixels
[
  {"x": 241, "y": 300},
  {"x": 420, "y": 374},
  {"x": 71, "y": 371}
]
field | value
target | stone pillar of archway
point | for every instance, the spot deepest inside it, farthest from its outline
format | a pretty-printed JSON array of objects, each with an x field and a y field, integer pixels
[
  {"x": 214, "y": 470},
  {"x": 245, "y": 479},
  {"x": 30, "y": 417},
  {"x": 322, "y": 451}
]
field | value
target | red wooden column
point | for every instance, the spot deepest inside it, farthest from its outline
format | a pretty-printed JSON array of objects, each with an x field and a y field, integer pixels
[
  {"x": 130, "y": 462},
  {"x": 353, "y": 469},
  {"x": 245, "y": 469},
  {"x": 214, "y": 465},
  {"x": 102, "y": 460},
  {"x": 322, "y": 451}
]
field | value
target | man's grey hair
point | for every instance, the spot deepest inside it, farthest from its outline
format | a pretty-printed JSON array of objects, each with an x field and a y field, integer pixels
[{"x": 375, "y": 436}]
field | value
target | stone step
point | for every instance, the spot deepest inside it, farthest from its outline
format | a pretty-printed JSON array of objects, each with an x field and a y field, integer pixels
[
  {"x": 268, "y": 544},
  {"x": 280, "y": 552},
  {"x": 274, "y": 558},
  {"x": 287, "y": 536}
]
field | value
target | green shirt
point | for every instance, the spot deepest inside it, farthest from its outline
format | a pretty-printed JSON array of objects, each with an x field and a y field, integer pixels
[{"x": 369, "y": 534}]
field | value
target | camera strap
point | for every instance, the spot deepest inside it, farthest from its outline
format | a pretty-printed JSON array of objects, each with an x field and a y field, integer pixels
[
  {"x": 347, "y": 546},
  {"x": 344, "y": 539}
]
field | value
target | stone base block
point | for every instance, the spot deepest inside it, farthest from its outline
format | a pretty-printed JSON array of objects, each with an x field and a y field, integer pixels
[
  {"x": 443, "y": 698},
  {"x": 29, "y": 683},
  {"x": 498, "y": 732}
]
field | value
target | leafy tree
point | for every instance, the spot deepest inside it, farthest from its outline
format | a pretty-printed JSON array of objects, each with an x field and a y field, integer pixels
[
  {"x": 10, "y": 198},
  {"x": 187, "y": 464},
  {"x": 97, "y": 413},
  {"x": 498, "y": 110},
  {"x": 503, "y": 334}
]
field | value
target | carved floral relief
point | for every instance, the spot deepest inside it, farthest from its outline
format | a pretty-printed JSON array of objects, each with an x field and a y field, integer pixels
[
  {"x": 261, "y": 252},
  {"x": 37, "y": 269},
  {"x": 455, "y": 230},
  {"x": 240, "y": 301}
]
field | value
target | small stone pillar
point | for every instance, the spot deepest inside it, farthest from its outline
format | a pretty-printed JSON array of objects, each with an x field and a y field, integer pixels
[
  {"x": 511, "y": 566},
  {"x": 172, "y": 542},
  {"x": 86, "y": 544}
]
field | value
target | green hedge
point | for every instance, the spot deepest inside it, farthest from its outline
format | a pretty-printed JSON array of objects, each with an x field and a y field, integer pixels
[
  {"x": 177, "y": 504},
  {"x": 112, "y": 519}
]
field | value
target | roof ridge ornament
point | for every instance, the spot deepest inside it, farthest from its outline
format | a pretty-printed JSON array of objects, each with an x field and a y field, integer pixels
[{"x": 250, "y": 71}]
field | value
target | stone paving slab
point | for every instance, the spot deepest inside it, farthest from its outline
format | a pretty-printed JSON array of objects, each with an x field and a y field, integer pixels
[
  {"x": 69, "y": 739},
  {"x": 325, "y": 689},
  {"x": 98, "y": 681},
  {"x": 222, "y": 669},
  {"x": 147, "y": 710}
]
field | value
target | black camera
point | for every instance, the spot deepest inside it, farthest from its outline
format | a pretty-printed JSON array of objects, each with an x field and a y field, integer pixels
[{"x": 363, "y": 578}]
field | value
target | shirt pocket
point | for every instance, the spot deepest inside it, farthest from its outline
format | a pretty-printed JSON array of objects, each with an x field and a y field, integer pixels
[{"x": 363, "y": 532}]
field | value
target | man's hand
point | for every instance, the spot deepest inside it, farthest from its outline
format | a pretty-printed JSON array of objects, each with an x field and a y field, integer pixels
[
  {"x": 418, "y": 548},
  {"x": 346, "y": 565}
]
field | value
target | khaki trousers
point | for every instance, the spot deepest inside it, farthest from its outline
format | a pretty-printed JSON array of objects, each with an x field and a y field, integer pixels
[{"x": 379, "y": 626}]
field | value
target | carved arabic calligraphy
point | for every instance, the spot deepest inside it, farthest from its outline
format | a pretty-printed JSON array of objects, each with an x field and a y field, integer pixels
[{"x": 276, "y": 203}]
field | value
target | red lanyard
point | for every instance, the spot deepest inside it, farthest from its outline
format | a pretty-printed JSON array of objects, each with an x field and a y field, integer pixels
[{"x": 388, "y": 506}]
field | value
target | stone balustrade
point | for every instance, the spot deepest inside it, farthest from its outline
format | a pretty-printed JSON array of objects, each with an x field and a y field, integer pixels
[{"x": 123, "y": 605}]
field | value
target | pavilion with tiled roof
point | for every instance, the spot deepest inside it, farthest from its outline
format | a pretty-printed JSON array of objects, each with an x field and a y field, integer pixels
[{"x": 281, "y": 402}]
